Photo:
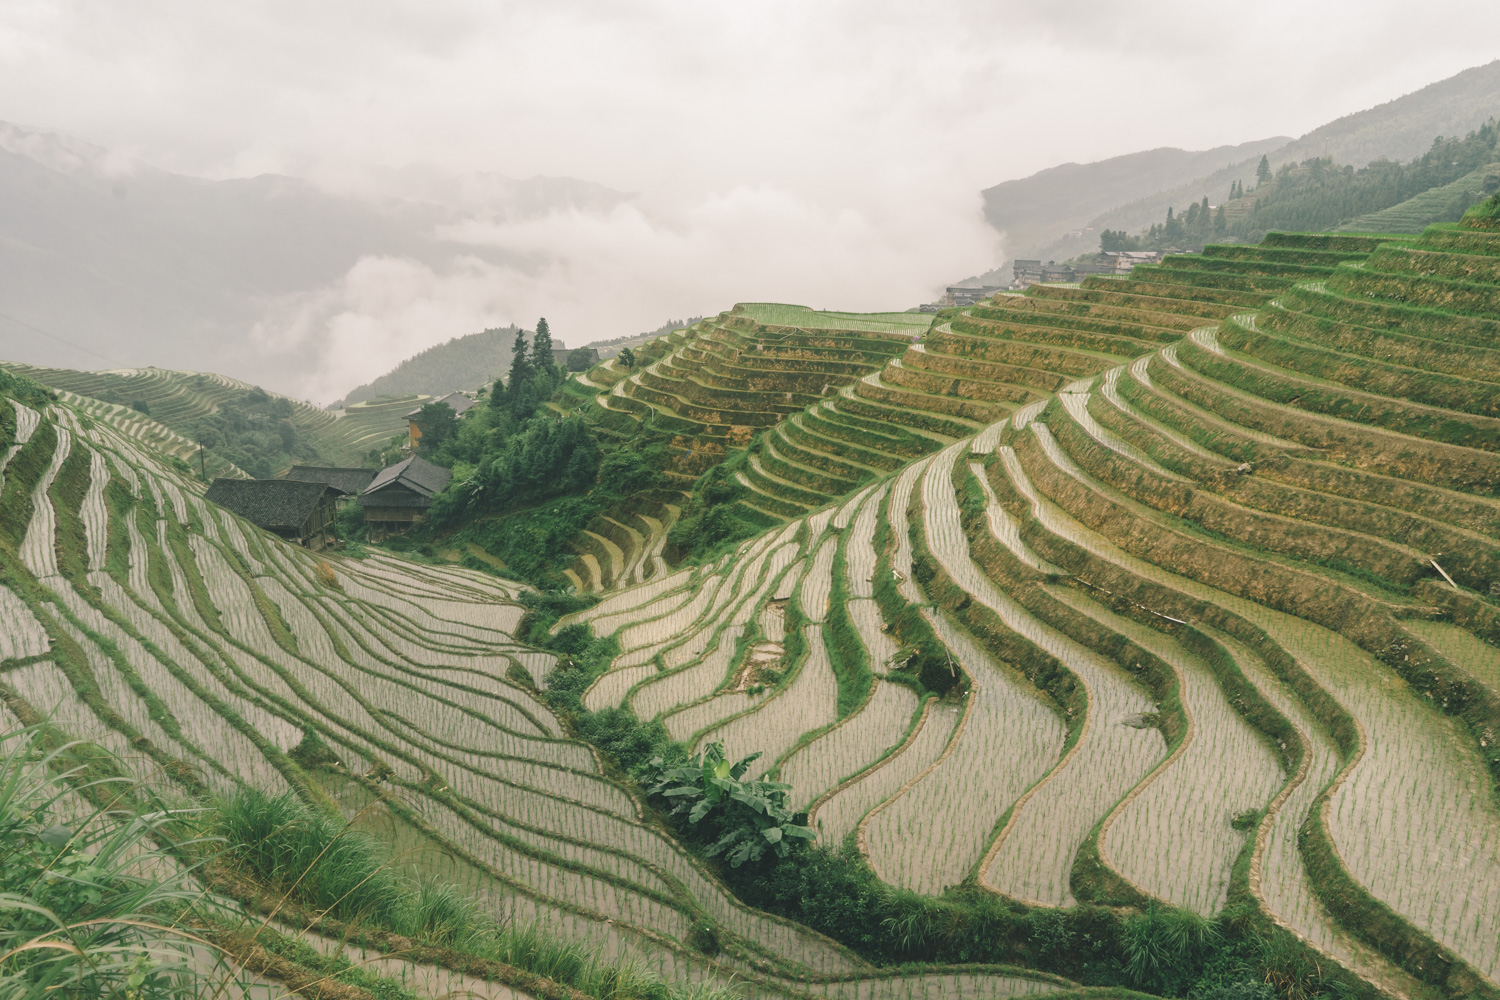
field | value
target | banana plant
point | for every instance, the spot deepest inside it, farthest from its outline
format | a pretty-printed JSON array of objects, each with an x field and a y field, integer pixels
[{"x": 751, "y": 815}]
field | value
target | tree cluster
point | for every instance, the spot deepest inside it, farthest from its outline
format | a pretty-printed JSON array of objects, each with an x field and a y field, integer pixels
[
  {"x": 534, "y": 375},
  {"x": 1198, "y": 225},
  {"x": 1317, "y": 195},
  {"x": 256, "y": 433},
  {"x": 528, "y": 477}
]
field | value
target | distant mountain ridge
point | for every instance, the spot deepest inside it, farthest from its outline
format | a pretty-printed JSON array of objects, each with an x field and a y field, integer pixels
[
  {"x": 1036, "y": 212},
  {"x": 461, "y": 363}
]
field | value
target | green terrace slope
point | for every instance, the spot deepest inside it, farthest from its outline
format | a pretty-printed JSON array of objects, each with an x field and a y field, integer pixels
[
  {"x": 363, "y": 427},
  {"x": 1445, "y": 203},
  {"x": 209, "y": 656},
  {"x": 1214, "y": 552},
  {"x": 717, "y": 382},
  {"x": 180, "y": 400},
  {"x": 939, "y": 385}
]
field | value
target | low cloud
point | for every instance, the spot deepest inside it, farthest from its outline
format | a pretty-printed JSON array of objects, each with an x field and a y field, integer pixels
[
  {"x": 384, "y": 310},
  {"x": 603, "y": 274}
]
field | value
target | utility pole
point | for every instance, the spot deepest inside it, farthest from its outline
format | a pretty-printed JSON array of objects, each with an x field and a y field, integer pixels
[{"x": 202, "y": 463}]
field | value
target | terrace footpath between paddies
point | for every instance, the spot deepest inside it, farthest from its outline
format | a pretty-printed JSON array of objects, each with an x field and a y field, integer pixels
[{"x": 206, "y": 652}]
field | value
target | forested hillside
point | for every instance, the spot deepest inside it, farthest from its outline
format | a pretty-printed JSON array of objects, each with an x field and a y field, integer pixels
[{"x": 1318, "y": 194}]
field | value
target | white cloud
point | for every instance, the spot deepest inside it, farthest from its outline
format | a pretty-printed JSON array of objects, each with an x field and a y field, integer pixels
[
  {"x": 597, "y": 275},
  {"x": 384, "y": 310}
]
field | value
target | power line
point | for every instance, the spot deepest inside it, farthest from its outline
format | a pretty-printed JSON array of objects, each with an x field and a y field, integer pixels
[{"x": 63, "y": 340}]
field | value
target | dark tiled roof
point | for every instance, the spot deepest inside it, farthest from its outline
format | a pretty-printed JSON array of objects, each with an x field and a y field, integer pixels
[
  {"x": 406, "y": 484},
  {"x": 274, "y": 504},
  {"x": 348, "y": 481},
  {"x": 456, "y": 401}
]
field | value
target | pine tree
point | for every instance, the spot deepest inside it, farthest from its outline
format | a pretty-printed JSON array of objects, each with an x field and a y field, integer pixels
[
  {"x": 520, "y": 374},
  {"x": 1220, "y": 223},
  {"x": 541, "y": 351},
  {"x": 1263, "y": 172}
]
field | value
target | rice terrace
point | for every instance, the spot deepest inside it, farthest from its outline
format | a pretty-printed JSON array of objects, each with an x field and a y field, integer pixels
[{"x": 1130, "y": 635}]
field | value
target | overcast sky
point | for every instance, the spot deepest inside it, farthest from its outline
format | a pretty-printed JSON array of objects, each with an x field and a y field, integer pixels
[{"x": 830, "y": 152}]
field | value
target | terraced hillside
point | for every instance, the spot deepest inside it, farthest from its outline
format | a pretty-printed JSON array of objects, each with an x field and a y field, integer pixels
[
  {"x": 1212, "y": 553},
  {"x": 209, "y": 655},
  {"x": 1168, "y": 601},
  {"x": 180, "y": 399},
  {"x": 362, "y": 427},
  {"x": 629, "y": 549},
  {"x": 716, "y": 383}
]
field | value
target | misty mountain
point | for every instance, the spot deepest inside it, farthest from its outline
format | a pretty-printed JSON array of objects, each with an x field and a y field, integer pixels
[
  {"x": 109, "y": 263},
  {"x": 462, "y": 363},
  {"x": 1034, "y": 212}
]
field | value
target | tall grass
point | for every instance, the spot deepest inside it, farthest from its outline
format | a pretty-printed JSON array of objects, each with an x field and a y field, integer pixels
[
  {"x": 322, "y": 863},
  {"x": 90, "y": 906}
]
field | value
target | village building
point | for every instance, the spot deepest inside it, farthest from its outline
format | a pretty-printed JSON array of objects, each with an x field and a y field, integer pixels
[
  {"x": 399, "y": 495},
  {"x": 348, "y": 482},
  {"x": 1025, "y": 272},
  {"x": 456, "y": 401},
  {"x": 1122, "y": 261},
  {"x": 300, "y": 512},
  {"x": 962, "y": 295}
]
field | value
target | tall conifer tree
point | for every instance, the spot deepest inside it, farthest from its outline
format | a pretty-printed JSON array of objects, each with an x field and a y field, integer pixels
[
  {"x": 520, "y": 374},
  {"x": 541, "y": 351}
]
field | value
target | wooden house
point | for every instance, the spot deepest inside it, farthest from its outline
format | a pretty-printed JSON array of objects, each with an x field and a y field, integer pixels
[
  {"x": 300, "y": 512},
  {"x": 398, "y": 496}
]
